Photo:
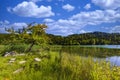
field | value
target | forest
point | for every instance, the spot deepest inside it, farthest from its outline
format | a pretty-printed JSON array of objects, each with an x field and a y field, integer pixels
[{"x": 93, "y": 38}]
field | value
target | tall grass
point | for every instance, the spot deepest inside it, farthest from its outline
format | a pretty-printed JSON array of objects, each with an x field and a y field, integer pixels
[
  {"x": 70, "y": 67},
  {"x": 19, "y": 48}
]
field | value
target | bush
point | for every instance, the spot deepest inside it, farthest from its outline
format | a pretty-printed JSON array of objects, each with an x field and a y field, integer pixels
[{"x": 20, "y": 48}]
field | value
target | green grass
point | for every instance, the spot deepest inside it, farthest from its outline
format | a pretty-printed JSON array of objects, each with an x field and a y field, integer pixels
[
  {"x": 56, "y": 64},
  {"x": 52, "y": 67},
  {"x": 87, "y": 51}
]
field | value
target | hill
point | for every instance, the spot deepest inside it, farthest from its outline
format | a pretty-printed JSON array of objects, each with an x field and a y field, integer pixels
[{"x": 92, "y": 38}]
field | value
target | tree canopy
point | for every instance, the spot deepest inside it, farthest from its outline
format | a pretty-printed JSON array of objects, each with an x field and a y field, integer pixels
[{"x": 32, "y": 34}]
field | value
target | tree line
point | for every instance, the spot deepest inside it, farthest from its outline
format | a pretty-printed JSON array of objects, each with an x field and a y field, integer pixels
[{"x": 93, "y": 38}]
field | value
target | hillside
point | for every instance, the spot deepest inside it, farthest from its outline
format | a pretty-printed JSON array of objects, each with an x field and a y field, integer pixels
[{"x": 93, "y": 38}]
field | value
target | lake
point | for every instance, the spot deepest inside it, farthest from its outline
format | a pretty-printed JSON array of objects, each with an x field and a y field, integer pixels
[
  {"x": 104, "y": 52},
  {"x": 114, "y": 60},
  {"x": 103, "y": 46}
]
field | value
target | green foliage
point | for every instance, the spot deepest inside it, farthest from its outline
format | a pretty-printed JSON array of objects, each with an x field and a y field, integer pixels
[
  {"x": 33, "y": 34},
  {"x": 36, "y": 34},
  {"x": 93, "y": 38},
  {"x": 71, "y": 67},
  {"x": 16, "y": 47}
]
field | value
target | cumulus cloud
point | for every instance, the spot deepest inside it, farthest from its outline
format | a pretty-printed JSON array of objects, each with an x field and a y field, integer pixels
[
  {"x": 39, "y": 0},
  {"x": 7, "y": 24},
  {"x": 35, "y": 0},
  {"x": 82, "y": 31},
  {"x": 87, "y": 6},
  {"x": 49, "y": 0},
  {"x": 3, "y": 24},
  {"x": 76, "y": 23},
  {"x": 18, "y": 25},
  {"x": 48, "y": 20},
  {"x": 30, "y": 9},
  {"x": 61, "y": 0},
  {"x": 107, "y": 4},
  {"x": 64, "y": 27},
  {"x": 97, "y": 17},
  {"x": 115, "y": 29},
  {"x": 68, "y": 7}
]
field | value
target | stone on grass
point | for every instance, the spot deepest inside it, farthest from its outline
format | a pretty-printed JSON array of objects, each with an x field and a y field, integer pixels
[
  {"x": 12, "y": 60},
  {"x": 18, "y": 70},
  {"x": 37, "y": 59},
  {"x": 22, "y": 62},
  {"x": 12, "y": 53}
]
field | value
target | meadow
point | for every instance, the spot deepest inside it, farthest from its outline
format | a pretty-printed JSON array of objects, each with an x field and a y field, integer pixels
[{"x": 59, "y": 63}]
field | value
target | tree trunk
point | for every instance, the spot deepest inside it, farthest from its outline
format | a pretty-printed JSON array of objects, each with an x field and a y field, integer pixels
[{"x": 30, "y": 48}]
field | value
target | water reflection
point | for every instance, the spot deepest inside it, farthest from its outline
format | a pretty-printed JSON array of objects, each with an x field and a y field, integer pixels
[
  {"x": 114, "y": 60},
  {"x": 103, "y": 46},
  {"x": 107, "y": 52},
  {"x": 112, "y": 46}
]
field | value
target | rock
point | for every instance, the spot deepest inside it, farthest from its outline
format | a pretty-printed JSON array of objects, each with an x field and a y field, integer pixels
[
  {"x": 37, "y": 59},
  {"x": 6, "y": 54},
  {"x": 20, "y": 54},
  {"x": 22, "y": 62},
  {"x": 18, "y": 70},
  {"x": 13, "y": 59},
  {"x": 12, "y": 53}
]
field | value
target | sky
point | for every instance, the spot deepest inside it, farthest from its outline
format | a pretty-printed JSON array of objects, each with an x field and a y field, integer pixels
[{"x": 63, "y": 17}]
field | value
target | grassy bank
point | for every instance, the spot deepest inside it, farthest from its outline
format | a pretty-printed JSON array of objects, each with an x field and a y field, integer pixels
[{"x": 52, "y": 67}]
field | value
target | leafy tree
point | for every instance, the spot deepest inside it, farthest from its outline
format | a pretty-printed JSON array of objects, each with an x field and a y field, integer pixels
[{"x": 32, "y": 34}]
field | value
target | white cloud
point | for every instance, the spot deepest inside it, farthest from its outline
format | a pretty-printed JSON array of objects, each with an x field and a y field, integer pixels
[
  {"x": 105, "y": 28},
  {"x": 3, "y": 24},
  {"x": 61, "y": 0},
  {"x": 7, "y": 24},
  {"x": 82, "y": 31},
  {"x": 97, "y": 17},
  {"x": 18, "y": 25},
  {"x": 30, "y": 9},
  {"x": 87, "y": 6},
  {"x": 76, "y": 23},
  {"x": 39, "y": 0},
  {"x": 49, "y": 0},
  {"x": 68, "y": 7},
  {"x": 115, "y": 29},
  {"x": 48, "y": 20},
  {"x": 35, "y": 0},
  {"x": 64, "y": 27},
  {"x": 107, "y": 4}
]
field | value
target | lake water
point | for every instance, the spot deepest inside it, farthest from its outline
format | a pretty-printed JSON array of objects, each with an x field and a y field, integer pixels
[
  {"x": 114, "y": 60},
  {"x": 107, "y": 52},
  {"x": 103, "y": 46}
]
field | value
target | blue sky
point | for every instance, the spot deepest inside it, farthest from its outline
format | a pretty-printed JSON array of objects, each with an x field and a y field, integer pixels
[{"x": 63, "y": 17}]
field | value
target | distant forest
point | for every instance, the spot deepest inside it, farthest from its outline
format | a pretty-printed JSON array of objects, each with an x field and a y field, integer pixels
[{"x": 93, "y": 38}]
